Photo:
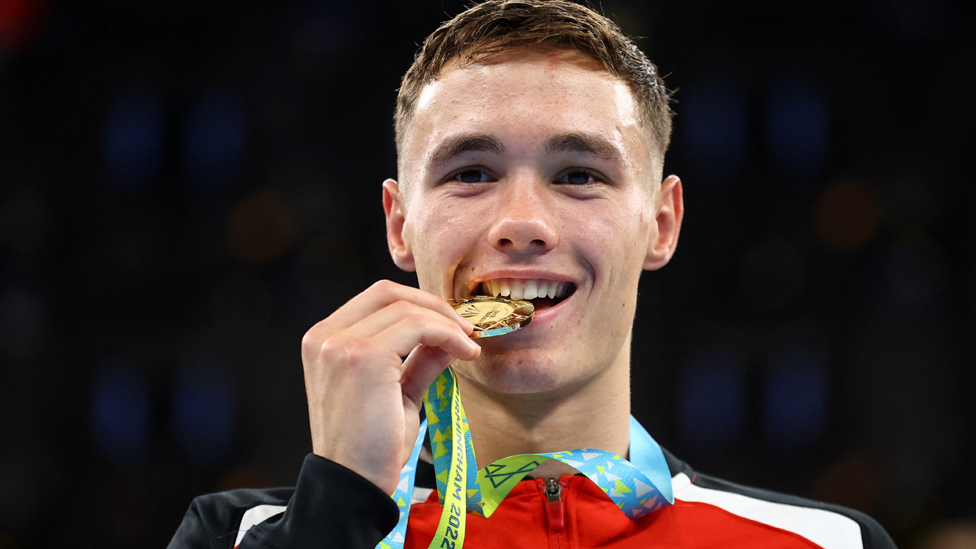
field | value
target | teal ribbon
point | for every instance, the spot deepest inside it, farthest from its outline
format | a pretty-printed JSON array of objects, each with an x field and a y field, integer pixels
[{"x": 638, "y": 487}]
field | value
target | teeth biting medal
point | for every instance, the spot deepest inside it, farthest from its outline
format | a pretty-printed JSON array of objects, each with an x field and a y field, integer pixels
[{"x": 494, "y": 316}]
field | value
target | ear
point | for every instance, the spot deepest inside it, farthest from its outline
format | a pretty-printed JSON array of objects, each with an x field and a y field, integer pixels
[
  {"x": 670, "y": 212},
  {"x": 393, "y": 205}
]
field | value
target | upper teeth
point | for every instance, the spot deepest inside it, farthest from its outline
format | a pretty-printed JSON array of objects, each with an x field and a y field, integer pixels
[{"x": 524, "y": 289}]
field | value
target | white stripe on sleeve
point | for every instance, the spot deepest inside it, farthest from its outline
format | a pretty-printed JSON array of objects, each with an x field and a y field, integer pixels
[
  {"x": 256, "y": 515},
  {"x": 825, "y": 528}
]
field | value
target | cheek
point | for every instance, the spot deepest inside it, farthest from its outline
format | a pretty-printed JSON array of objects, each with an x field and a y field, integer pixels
[
  {"x": 618, "y": 236},
  {"x": 440, "y": 233}
]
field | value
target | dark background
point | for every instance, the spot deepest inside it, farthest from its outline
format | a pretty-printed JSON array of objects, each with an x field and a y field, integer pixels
[{"x": 186, "y": 186}]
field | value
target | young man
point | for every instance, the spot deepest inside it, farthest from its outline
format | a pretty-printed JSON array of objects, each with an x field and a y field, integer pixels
[{"x": 531, "y": 138}]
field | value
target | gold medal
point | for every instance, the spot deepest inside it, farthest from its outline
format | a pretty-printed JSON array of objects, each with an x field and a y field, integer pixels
[{"x": 493, "y": 316}]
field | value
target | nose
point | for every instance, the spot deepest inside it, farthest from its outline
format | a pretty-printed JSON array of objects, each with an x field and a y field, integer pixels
[{"x": 525, "y": 221}]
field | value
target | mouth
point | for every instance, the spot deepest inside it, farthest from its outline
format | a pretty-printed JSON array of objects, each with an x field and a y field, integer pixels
[{"x": 542, "y": 293}]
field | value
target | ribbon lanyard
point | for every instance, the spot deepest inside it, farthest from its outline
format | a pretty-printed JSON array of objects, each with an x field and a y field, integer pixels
[{"x": 638, "y": 487}]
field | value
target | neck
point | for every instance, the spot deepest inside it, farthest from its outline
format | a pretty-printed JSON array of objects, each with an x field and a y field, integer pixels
[{"x": 593, "y": 414}]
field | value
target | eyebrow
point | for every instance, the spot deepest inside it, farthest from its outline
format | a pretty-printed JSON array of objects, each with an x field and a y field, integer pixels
[
  {"x": 574, "y": 142},
  {"x": 462, "y": 144},
  {"x": 583, "y": 143}
]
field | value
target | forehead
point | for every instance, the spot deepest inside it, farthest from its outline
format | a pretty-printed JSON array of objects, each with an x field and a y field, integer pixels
[{"x": 524, "y": 97}]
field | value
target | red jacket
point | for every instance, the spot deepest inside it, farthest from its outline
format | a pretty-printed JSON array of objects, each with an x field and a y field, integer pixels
[
  {"x": 585, "y": 517},
  {"x": 332, "y": 506}
]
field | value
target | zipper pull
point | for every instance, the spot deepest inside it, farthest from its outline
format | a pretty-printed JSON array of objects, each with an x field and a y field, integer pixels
[{"x": 555, "y": 510}]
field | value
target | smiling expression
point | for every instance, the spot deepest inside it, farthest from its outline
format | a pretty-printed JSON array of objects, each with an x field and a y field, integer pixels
[{"x": 529, "y": 172}]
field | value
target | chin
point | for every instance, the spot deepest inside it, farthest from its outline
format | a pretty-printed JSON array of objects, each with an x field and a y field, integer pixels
[{"x": 515, "y": 373}]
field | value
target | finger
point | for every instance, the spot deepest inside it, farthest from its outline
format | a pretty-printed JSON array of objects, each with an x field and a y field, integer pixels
[
  {"x": 383, "y": 294},
  {"x": 420, "y": 369},
  {"x": 423, "y": 327},
  {"x": 377, "y": 343},
  {"x": 414, "y": 320}
]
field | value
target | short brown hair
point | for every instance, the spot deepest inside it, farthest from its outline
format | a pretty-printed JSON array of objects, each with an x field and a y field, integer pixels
[{"x": 503, "y": 25}]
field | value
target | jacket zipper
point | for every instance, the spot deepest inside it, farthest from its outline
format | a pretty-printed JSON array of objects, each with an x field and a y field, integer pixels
[{"x": 555, "y": 509}]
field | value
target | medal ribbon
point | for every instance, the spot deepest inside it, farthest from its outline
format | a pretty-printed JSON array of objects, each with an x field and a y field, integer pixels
[
  {"x": 637, "y": 487},
  {"x": 404, "y": 493}
]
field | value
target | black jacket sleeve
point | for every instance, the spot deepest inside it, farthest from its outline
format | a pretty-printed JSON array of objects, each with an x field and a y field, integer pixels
[{"x": 330, "y": 506}]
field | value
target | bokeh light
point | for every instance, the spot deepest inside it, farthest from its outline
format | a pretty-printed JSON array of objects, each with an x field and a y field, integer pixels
[
  {"x": 959, "y": 534},
  {"x": 214, "y": 138},
  {"x": 847, "y": 216},
  {"x": 850, "y": 481},
  {"x": 21, "y": 23},
  {"x": 7, "y": 542},
  {"x": 712, "y": 400},
  {"x": 121, "y": 410},
  {"x": 203, "y": 413},
  {"x": 797, "y": 124},
  {"x": 794, "y": 400},
  {"x": 715, "y": 121},
  {"x": 134, "y": 138},
  {"x": 260, "y": 227}
]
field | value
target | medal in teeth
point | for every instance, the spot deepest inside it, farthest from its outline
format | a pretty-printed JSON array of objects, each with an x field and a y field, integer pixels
[{"x": 494, "y": 316}]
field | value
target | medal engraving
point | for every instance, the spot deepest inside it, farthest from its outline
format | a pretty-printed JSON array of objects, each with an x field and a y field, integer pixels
[{"x": 494, "y": 316}]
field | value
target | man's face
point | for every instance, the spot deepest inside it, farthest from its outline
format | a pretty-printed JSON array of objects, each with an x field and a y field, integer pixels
[{"x": 530, "y": 171}]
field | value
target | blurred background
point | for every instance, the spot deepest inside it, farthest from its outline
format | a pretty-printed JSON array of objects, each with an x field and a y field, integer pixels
[{"x": 187, "y": 186}]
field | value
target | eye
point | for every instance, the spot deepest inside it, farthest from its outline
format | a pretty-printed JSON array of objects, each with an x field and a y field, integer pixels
[
  {"x": 471, "y": 176},
  {"x": 579, "y": 177}
]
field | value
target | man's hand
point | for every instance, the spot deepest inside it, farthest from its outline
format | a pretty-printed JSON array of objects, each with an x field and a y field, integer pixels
[{"x": 363, "y": 399}]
